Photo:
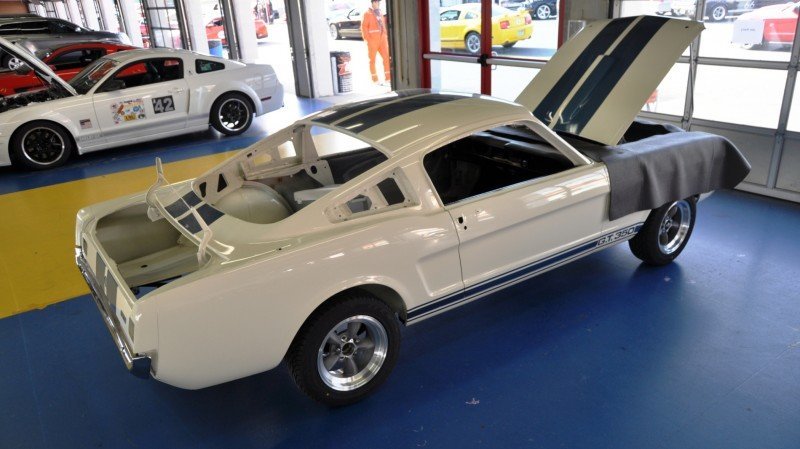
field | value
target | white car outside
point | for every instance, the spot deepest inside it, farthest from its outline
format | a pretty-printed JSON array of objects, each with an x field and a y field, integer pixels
[{"x": 130, "y": 97}]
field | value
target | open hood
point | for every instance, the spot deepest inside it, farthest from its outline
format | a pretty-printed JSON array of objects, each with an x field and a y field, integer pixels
[
  {"x": 599, "y": 80},
  {"x": 41, "y": 69}
]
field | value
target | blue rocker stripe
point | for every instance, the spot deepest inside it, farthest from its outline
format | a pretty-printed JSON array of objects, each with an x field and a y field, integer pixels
[{"x": 517, "y": 274}]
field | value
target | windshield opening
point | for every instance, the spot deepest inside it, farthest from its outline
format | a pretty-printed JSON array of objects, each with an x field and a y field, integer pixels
[{"x": 92, "y": 74}]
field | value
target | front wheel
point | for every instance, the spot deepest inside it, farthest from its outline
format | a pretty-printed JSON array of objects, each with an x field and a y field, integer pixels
[
  {"x": 543, "y": 12},
  {"x": 718, "y": 13},
  {"x": 334, "y": 31},
  {"x": 40, "y": 145},
  {"x": 231, "y": 114},
  {"x": 345, "y": 350},
  {"x": 665, "y": 232},
  {"x": 473, "y": 42}
]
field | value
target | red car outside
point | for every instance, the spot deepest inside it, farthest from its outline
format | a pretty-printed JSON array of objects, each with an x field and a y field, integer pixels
[
  {"x": 215, "y": 29},
  {"x": 779, "y": 22},
  {"x": 66, "y": 61}
]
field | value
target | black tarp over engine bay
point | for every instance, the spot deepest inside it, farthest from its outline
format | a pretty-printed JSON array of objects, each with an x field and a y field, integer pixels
[{"x": 657, "y": 164}]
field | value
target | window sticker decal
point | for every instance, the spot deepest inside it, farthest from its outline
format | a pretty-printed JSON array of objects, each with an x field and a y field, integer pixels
[
  {"x": 163, "y": 104},
  {"x": 128, "y": 111}
]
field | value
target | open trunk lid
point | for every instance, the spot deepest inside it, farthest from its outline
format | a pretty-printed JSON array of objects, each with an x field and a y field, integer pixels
[{"x": 598, "y": 81}]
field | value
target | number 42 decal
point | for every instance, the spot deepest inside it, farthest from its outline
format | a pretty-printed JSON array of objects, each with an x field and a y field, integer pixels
[{"x": 163, "y": 104}]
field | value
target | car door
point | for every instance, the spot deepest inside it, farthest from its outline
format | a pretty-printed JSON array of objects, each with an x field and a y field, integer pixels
[
  {"x": 450, "y": 28},
  {"x": 143, "y": 98},
  {"x": 352, "y": 25},
  {"x": 515, "y": 208},
  {"x": 516, "y": 227}
]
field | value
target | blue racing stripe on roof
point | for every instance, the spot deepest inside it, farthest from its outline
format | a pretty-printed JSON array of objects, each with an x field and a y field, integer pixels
[{"x": 361, "y": 122}]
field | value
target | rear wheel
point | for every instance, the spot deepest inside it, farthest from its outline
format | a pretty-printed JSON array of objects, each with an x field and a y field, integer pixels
[
  {"x": 472, "y": 42},
  {"x": 346, "y": 350},
  {"x": 665, "y": 232},
  {"x": 231, "y": 114},
  {"x": 509, "y": 44},
  {"x": 41, "y": 145},
  {"x": 334, "y": 31}
]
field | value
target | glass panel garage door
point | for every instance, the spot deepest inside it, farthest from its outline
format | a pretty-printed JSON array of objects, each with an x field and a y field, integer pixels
[
  {"x": 505, "y": 41},
  {"x": 164, "y": 25}
]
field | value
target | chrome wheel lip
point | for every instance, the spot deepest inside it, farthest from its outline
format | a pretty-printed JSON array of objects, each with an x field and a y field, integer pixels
[
  {"x": 25, "y": 151},
  {"x": 371, "y": 329},
  {"x": 674, "y": 226},
  {"x": 473, "y": 43},
  {"x": 230, "y": 123}
]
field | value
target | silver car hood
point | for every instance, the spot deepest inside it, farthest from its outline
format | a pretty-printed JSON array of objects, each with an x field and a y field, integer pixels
[{"x": 41, "y": 69}]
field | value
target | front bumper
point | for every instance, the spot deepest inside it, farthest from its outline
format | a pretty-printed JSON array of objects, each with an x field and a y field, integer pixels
[{"x": 138, "y": 365}]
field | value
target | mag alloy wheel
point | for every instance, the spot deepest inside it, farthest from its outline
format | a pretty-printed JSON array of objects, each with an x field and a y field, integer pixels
[
  {"x": 14, "y": 63},
  {"x": 473, "y": 43},
  {"x": 234, "y": 114},
  {"x": 674, "y": 226},
  {"x": 43, "y": 146},
  {"x": 718, "y": 13},
  {"x": 352, "y": 353},
  {"x": 543, "y": 12}
]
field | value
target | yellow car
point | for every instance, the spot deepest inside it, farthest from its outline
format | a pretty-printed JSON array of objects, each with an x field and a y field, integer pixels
[{"x": 460, "y": 27}]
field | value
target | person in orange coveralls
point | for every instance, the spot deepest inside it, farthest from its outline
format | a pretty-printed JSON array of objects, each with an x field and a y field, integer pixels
[{"x": 376, "y": 35}]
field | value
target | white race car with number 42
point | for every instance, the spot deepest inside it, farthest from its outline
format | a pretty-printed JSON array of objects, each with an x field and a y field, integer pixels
[{"x": 129, "y": 97}]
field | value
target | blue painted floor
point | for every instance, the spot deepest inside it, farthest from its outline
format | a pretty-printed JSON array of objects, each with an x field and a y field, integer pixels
[{"x": 703, "y": 353}]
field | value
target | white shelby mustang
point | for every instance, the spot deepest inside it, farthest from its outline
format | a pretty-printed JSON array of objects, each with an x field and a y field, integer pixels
[
  {"x": 316, "y": 244},
  {"x": 129, "y": 97}
]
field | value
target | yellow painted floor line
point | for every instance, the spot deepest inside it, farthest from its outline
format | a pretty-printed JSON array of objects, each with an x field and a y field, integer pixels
[{"x": 37, "y": 257}]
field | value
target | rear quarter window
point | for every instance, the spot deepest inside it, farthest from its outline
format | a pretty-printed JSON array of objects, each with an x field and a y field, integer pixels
[{"x": 206, "y": 66}]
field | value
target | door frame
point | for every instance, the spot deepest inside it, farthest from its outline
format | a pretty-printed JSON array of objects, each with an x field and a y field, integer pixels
[{"x": 485, "y": 59}]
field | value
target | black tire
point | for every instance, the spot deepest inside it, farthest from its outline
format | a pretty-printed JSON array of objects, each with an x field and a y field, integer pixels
[
  {"x": 232, "y": 114},
  {"x": 469, "y": 42},
  {"x": 717, "y": 12},
  {"x": 306, "y": 358},
  {"x": 661, "y": 239},
  {"x": 41, "y": 145},
  {"x": 509, "y": 44},
  {"x": 334, "y": 30}
]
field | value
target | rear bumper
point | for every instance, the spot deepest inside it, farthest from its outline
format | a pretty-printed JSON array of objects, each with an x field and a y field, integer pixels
[{"x": 138, "y": 365}]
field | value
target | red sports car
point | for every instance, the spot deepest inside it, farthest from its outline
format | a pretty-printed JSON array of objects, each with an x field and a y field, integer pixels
[
  {"x": 779, "y": 23},
  {"x": 66, "y": 61},
  {"x": 215, "y": 29}
]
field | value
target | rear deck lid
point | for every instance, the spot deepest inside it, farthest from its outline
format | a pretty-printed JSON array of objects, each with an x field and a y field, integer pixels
[{"x": 599, "y": 80}]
